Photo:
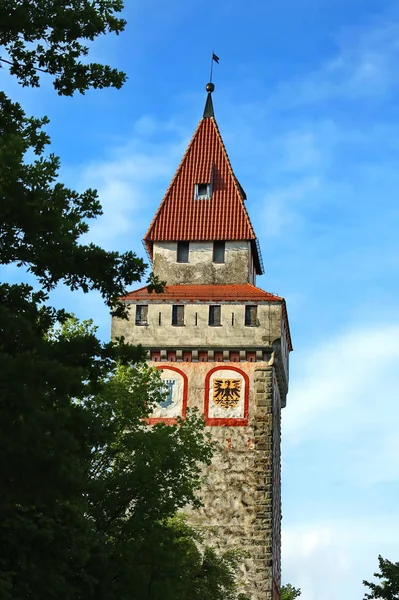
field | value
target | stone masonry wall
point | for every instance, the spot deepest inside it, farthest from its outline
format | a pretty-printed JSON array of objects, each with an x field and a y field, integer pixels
[
  {"x": 238, "y": 488},
  {"x": 200, "y": 268}
]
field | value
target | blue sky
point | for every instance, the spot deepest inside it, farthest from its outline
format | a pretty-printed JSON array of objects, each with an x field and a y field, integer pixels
[{"x": 307, "y": 101}]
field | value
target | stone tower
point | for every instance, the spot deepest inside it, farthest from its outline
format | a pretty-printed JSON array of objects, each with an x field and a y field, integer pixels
[{"x": 222, "y": 345}]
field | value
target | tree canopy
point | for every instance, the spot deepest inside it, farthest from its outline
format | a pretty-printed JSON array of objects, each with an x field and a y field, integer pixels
[
  {"x": 52, "y": 36},
  {"x": 89, "y": 493},
  {"x": 388, "y": 586},
  {"x": 289, "y": 592}
]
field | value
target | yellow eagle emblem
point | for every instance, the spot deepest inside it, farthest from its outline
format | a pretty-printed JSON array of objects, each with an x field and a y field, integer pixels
[{"x": 226, "y": 392}]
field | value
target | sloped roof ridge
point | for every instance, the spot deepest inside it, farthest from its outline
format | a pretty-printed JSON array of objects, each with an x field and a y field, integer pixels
[
  {"x": 180, "y": 168},
  {"x": 183, "y": 160},
  {"x": 189, "y": 286},
  {"x": 255, "y": 287},
  {"x": 235, "y": 180}
]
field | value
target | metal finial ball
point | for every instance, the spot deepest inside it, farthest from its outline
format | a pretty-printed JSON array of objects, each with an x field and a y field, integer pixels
[{"x": 210, "y": 87}]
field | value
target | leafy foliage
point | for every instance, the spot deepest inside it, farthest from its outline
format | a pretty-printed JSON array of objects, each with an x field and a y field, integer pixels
[
  {"x": 179, "y": 569},
  {"x": 45, "y": 36},
  {"x": 88, "y": 490},
  {"x": 89, "y": 494},
  {"x": 288, "y": 592},
  {"x": 42, "y": 220},
  {"x": 388, "y": 588}
]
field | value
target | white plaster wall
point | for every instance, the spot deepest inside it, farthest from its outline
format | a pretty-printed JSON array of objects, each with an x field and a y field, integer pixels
[
  {"x": 191, "y": 335},
  {"x": 200, "y": 267}
]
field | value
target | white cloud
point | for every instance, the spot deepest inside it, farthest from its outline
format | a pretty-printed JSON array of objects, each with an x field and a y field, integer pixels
[
  {"x": 341, "y": 443},
  {"x": 283, "y": 206},
  {"x": 131, "y": 180},
  {"x": 329, "y": 559},
  {"x": 355, "y": 371},
  {"x": 365, "y": 65}
]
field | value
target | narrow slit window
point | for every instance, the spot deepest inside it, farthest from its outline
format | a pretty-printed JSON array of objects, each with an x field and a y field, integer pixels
[
  {"x": 219, "y": 249},
  {"x": 142, "y": 314},
  {"x": 251, "y": 316},
  {"x": 214, "y": 314},
  {"x": 182, "y": 251},
  {"x": 178, "y": 315}
]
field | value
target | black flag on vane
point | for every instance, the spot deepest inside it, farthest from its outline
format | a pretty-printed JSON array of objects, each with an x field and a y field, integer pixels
[{"x": 215, "y": 58}]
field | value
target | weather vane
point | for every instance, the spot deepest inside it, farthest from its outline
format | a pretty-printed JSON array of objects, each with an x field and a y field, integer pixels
[{"x": 213, "y": 59}]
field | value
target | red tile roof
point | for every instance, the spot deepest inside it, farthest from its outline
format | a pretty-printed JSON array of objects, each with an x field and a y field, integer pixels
[
  {"x": 238, "y": 292},
  {"x": 223, "y": 216}
]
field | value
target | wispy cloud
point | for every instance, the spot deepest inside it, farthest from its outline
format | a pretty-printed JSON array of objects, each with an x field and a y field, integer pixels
[
  {"x": 330, "y": 558},
  {"x": 340, "y": 439},
  {"x": 365, "y": 64},
  {"x": 283, "y": 206},
  {"x": 131, "y": 179},
  {"x": 344, "y": 374}
]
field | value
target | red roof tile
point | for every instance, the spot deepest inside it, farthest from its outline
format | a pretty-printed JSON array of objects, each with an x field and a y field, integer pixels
[
  {"x": 223, "y": 216},
  {"x": 237, "y": 292}
]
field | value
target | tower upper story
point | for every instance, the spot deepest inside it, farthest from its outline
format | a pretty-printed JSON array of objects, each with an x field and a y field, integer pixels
[
  {"x": 202, "y": 243},
  {"x": 201, "y": 232}
]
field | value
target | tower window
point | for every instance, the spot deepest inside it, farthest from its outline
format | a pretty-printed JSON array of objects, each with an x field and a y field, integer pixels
[
  {"x": 142, "y": 314},
  {"x": 202, "y": 191},
  {"x": 178, "y": 315},
  {"x": 214, "y": 314},
  {"x": 219, "y": 252},
  {"x": 182, "y": 251},
  {"x": 251, "y": 316}
]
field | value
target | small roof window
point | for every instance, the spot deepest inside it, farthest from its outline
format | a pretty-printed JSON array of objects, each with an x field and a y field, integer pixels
[{"x": 202, "y": 191}]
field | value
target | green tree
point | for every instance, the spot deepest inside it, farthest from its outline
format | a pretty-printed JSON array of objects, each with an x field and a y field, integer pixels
[
  {"x": 51, "y": 36},
  {"x": 388, "y": 588},
  {"x": 181, "y": 568},
  {"x": 288, "y": 592},
  {"x": 85, "y": 487},
  {"x": 139, "y": 478}
]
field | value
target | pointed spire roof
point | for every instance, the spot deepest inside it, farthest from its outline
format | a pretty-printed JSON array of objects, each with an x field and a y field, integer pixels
[
  {"x": 208, "y": 110},
  {"x": 222, "y": 216}
]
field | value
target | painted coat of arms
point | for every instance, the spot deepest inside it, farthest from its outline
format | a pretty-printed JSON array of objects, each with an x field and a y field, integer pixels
[
  {"x": 227, "y": 392},
  {"x": 170, "y": 385}
]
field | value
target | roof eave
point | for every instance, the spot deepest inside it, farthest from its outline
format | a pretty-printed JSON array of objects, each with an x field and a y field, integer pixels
[{"x": 257, "y": 254}]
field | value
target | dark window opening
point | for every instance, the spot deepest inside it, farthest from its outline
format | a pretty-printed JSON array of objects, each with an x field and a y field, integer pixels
[
  {"x": 214, "y": 314},
  {"x": 251, "y": 316},
  {"x": 142, "y": 314},
  {"x": 178, "y": 315},
  {"x": 219, "y": 252},
  {"x": 202, "y": 191},
  {"x": 182, "y": 251}
]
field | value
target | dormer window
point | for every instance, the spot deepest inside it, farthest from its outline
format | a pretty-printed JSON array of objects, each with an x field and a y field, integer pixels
[{"x": 202, "y": 191}]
